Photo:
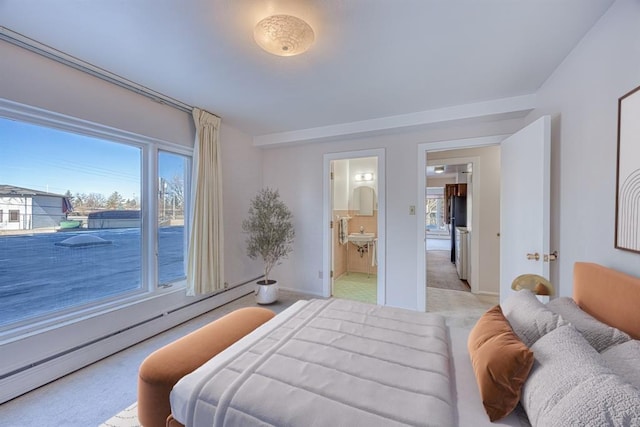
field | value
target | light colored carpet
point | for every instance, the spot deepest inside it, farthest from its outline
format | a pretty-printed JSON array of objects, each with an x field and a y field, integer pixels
[
  {"x": 462, "y": 309},
  {"x": 126, "y": 418},
  {"x": 356, "y": 286},
  {"x": 441, "y": 273},
  {"x": 439, "y": 244}
]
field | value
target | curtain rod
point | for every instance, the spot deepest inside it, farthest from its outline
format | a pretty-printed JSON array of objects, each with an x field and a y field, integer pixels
[{"x": 61, "y": 57}]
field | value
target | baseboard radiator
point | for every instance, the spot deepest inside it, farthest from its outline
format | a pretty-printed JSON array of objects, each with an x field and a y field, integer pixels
[{"x": 27, "y": 378}]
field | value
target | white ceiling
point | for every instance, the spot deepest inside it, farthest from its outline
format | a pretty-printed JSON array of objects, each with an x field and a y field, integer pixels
[{"x": 374, "y": 62}]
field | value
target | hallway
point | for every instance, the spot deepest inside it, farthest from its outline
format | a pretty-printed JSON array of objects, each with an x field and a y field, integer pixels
[
  {"x": 441, "y": 273},
  {"x": 438, "y": 244}
]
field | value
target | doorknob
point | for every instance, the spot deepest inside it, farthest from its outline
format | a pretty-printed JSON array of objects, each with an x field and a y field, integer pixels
[
  {"x": 553, "y": 256},
  {"x": 535, "y": 256}
]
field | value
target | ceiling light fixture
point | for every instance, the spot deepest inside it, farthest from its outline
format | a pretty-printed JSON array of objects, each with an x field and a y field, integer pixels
[
  {"x": 438, "y": 169},
  {"x": 283, "y": 35},
  {"x": 364, "y": 176}
]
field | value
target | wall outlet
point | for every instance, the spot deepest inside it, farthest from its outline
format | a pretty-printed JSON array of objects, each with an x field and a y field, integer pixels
[
  {"x": 319, "y": 274},
  {"x": 412, "y": 210}
]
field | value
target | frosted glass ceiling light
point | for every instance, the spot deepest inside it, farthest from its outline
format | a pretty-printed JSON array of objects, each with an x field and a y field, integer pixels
[
  {"x": 283, "y": 35},
  {"x": 364, "y": 176}
]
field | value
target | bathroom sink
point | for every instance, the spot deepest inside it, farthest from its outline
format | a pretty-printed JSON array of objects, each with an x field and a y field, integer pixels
[{"x": 361, "y": 239}]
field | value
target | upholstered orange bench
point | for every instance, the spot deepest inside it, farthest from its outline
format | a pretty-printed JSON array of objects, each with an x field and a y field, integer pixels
[{"x": 161, "y": 370}]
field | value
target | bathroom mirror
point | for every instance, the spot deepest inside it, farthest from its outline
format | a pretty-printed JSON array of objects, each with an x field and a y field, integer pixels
[{"x": 364, "y": 200}]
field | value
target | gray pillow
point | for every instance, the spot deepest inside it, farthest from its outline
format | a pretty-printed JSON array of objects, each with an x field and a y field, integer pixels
[
  {"x": 624, "y": 360},
  {"x": 555, "y": 372},
  {"x": 600, "y": 335},
  {"x": 569, "y": 385},
  {"x": 602, "y": 401},
  {"x": 529, "y": 318}
]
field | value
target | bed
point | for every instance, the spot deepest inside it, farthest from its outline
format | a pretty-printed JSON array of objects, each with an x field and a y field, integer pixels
[{"x": 337, "y": 362}]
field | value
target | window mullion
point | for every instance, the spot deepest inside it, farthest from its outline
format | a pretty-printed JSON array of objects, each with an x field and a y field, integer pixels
[{"x": 150, "y": 223}]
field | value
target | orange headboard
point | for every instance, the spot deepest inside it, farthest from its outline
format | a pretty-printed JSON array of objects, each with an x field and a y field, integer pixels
[{"x": 608, "y": 295}]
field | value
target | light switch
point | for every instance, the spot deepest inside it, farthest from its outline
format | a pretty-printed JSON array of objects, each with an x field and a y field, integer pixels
[{"x": 412, "y": 210}]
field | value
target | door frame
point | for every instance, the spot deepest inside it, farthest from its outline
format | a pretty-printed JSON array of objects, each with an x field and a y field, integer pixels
[
  {"x": 327, "y": 218},
  {"x": 423, "y": 150}
]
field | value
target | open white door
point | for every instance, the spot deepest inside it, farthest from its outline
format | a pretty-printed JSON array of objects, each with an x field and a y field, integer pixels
[
  {"x": 525, "y": 203},
  {"x": 333, "y": 223}
]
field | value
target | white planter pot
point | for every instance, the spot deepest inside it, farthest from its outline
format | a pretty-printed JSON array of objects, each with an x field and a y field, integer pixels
[{"x": 266, "y": 293}]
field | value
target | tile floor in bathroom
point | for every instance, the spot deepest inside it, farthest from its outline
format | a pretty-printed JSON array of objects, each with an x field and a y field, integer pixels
[{"x": 356, "y": 286}]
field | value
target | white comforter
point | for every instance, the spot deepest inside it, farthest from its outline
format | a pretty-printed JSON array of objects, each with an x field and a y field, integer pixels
[{"x": 333, "y": 362}]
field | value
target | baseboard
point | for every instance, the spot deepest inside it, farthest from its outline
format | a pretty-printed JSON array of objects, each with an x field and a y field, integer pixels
[
  {"x": 298, "y": 291},
  {"x": 41, "y": 374},
  {"x": 495, "y": 294}
]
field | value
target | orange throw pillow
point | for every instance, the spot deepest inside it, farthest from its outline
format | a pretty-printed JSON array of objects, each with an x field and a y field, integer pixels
[{"x": 501, "y": 363}]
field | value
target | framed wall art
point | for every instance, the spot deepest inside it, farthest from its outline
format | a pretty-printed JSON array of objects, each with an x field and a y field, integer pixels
[{"x": 628, "y": 173}]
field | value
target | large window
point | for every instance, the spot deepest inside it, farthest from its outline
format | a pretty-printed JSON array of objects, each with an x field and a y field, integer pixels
[
  {"x": 171, "y": 202},
  {"x": 434, "y": 220},
  {"x": 76, "y": 236}
]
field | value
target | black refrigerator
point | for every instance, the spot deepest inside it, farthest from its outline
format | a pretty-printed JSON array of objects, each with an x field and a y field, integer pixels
[{"x": 457, "y": 218}]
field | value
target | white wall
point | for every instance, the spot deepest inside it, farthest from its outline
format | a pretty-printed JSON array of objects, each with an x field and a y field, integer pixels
[
  {"x": 241, "y": 180},
  {"x": 582, "y": 97},
  {"x": 33, "y": 80},
  {"x": 20, "y": 204},
  {"x": 439, "y": 182},
  {"x": 297, "y": 172},
  {"x": 341, "y": 185}
]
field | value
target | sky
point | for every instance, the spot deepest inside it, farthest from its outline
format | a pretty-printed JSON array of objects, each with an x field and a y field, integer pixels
[{"x": 55, "y": 161}]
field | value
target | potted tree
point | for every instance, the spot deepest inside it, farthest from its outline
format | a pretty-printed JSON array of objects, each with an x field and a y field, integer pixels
[{"x": 270, "y": 237}]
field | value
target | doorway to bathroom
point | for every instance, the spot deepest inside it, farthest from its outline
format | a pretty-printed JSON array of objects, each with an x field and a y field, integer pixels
[{"x": 354, "y": 212}]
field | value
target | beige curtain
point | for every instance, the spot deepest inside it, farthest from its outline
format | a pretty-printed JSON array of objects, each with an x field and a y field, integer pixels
[{"x": 205, "y": 263}]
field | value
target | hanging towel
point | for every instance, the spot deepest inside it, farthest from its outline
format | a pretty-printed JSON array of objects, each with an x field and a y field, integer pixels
[
  {"x": 343, "y": 230},
  {"x": 374, "y": 253}
]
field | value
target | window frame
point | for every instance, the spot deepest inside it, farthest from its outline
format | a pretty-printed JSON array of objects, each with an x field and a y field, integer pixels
[
  {"x": 186, "y": 215},
  {"x": 150, "y": 147},
  {"x": 38, "y": 354},
  {"x": 13, "y": 212}
]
